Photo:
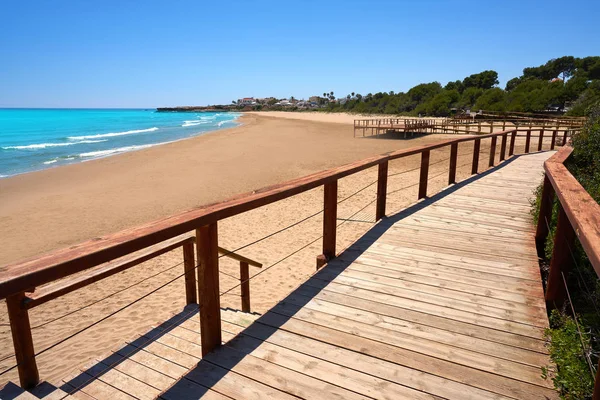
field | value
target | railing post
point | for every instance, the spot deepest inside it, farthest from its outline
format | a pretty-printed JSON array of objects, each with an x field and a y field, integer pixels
[
  {"x": 329, "y": 223},
  {"x": 424, "y": 174},
  {"x": 189, "y": 265},
  {"x": 527, "y": 141},
  {"x": 545, "y": 213},
  {"x": 503, "y": 147},
  {"x": 208, "y": 287},
  {"x": 22, "y": 341},
  {"x": 564, "y": 143},
  {"x": 382, "y": 174},
  {"x": 453, "y": 158},
  {"x": 493, "y": 151},
  {"x": 553, "y": 142},
  {"x": 245, "y": 286},
  {"x": 561, "y": 261},
  {"x": 541, "y": 141},
  {"x": 513, "y": 137},
  {"x": 476, "y": 146}
]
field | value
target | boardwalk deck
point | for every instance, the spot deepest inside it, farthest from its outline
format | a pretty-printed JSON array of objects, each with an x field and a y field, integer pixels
[{"x": 442, "y": 300}]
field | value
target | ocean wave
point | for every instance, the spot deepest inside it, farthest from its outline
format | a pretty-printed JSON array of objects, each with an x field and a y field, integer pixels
[
  {"x": 104, "y": 153},
  {"x": 113, "y": 134},
  {"x": 193, "y": 123},
  {"x": 51, "y": 161},
  {"x": 229, "y": 121},
  {"x": 45, "y": 145}
]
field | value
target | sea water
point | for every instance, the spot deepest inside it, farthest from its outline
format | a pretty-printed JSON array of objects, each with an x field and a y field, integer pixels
[{"x": 34, "y": 139}]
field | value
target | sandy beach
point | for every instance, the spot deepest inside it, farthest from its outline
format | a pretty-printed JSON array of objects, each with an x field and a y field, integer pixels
[{"x": 58, "y": 207}]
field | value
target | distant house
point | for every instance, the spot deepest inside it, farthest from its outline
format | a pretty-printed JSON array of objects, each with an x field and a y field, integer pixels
[{"x": 246, "y": 101}]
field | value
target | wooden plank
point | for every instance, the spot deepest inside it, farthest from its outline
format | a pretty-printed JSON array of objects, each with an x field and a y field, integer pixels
[
  {"x": 376, "y": 367},
  {"x": 437, "y": 296},
  {"x": 341, "y": 376},
  {"x": 185, "y": 389},
  {"x": 123, "y": 382},
  {"x": 152, "y": 361},
  {"x": 139, "y": 372},
  {"x": 96, "y": 388},
  {"x": 475, "y": 353},
  {"x": 416, "y": 361},
  {"x": 387, "y": 296},
  {"x": 245, "y": 286}
]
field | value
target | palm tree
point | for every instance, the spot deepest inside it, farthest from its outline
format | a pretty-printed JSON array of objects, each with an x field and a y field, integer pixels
[{"x": 325, "y": 95}]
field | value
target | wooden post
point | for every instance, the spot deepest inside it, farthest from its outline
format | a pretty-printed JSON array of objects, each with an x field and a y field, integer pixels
[
  {"x": 541, "y": 141},
  {"x": 424, "y": 174},
  {"x": 553, "y": 142},
  {"x": 189, "y": 265},
  {"x": 245, "y": 285},
  {"x": 527, "y": 141},
  {"x": 564, "y": 143},
  {"x": 513, "y": 137},
  {"x": 479, "y": 127},
  {"x": 329, "y": 220},
  {"x": 561, "y": 261},
  {"x": 491, "y": 126},
  {"x": 503, "y": 147},
  {"x": 208, "y": 287},
  {"x": 382, "y": 175},
  {"x": 493, "y": 151},
  {"x": 504, "y": 124},
  {"x": 545, "y": 214},
  {"x": 453, "y": 158},
  {"x": 476, "y": 146},
  {"x": 22, "y": 341}
]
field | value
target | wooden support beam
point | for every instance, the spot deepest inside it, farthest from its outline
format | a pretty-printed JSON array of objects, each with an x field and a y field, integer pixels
[
  {"x": 493, "y": 151},
  {"x": 544, "y": 216},
  {"x": 208, "y": 287},
  {"x": 553, "y": 142},
  {"x": 424, "y": 174},
  {"x": 476, "y": 147},
  {"x": 541, "y": 140},
  {"x": 527, "y": 141},
  {"x": 503, "y": 147},
  {"x": 565, "y": 137},
  {"x": 513, "y": 137},
  {"x": 22, "y": 341},
  {"x": 382, "y": 175},
  {"x": 453, "y": 158},
  {"x": 245, "y": 285},
  {"x": 189, "y": 267},
  {"x": 330, "y": 219},
  {"x": 561, "y": 261}
]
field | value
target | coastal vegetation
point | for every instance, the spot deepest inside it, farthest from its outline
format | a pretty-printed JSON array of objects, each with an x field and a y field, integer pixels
[
  {"x": 574, "y": 329},
  {"x": 566, "y": 84}
]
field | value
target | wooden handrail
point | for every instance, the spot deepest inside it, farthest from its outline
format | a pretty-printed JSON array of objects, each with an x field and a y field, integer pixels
[
  {"x": 578, "y": 218},
  {"x": 580, "y": 208}
]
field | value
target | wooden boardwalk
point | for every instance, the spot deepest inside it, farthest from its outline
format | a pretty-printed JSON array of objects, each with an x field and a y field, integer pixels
[{"x": 443, "y": 300}]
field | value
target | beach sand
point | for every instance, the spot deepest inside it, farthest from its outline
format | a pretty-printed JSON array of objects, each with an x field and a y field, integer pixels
[{"x": 54, "y": 208}]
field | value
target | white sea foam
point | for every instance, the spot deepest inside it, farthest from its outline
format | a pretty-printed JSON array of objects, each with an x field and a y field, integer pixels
[
  {"x": 104, "y": 153},
  {"x": 194, "y": 123},
  {"x": 113, "y": 134},
  {"x": 45, "y": 145},
  {"x": 51, "y": 161}
]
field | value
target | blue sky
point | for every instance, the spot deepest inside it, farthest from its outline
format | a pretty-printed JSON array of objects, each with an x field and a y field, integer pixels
[{"x": 166, "y": 53}]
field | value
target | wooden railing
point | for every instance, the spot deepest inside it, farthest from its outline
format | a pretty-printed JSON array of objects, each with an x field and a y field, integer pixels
[
  {"x": 18, "y": 279},
  {"x": 578, "y": 218},
  {"x": 461, "y": 126}
]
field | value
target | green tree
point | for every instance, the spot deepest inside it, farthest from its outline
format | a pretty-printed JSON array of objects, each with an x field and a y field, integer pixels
[{"x": 484, "y": 80}]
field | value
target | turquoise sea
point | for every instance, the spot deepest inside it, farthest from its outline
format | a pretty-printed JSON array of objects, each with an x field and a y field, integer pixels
[{"x": 34, "y": 139}]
